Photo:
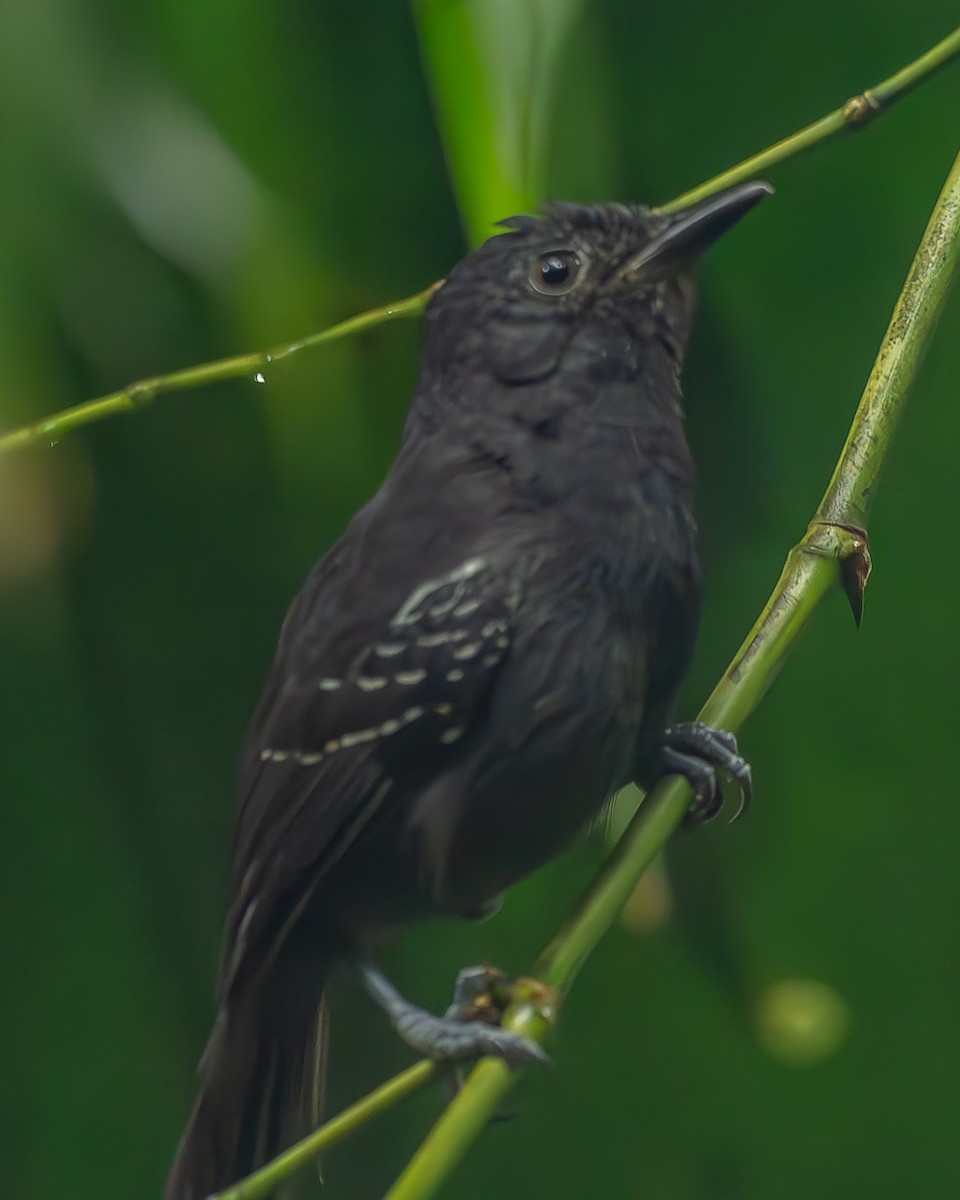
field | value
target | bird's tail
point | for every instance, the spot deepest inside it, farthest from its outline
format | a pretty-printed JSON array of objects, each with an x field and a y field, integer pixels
[{"x": 262, "y": 1077}]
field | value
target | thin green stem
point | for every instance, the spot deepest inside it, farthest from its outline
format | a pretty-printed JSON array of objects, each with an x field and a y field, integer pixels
[
  {"x": 49, "y": 430},
  {"x": 262, "y": 1183},
  {"x": 835, "y": 537},
  {"x": 858, "y": 112},
  {"x": 854, "y": 114}
]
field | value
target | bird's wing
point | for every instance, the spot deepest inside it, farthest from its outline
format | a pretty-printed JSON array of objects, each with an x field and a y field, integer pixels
[{"x": 347, "y": 720}]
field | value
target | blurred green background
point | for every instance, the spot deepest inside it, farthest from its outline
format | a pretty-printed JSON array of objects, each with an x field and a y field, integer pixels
[{"x": 183, "y": 181}]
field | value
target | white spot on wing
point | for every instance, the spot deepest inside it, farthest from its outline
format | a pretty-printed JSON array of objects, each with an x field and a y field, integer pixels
[
  {"x": 429, "y": 640},
  {"x": 371, "y": 683},
  {"x": 354, "y": 739},
  {"x": 248, "y": 914},
  {"x": 346, "y": 741},
  {"x": 306, "y": 757},
  {"x": 329, "y": 685},
  {"x": 408, "y": 678},
  {"x": 389, "y": 649},
  {"x": 410, "y": 611}
]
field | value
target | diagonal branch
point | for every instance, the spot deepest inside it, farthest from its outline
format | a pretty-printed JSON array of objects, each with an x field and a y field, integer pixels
[
  {"x": 858, "y": 112},
  {"x": 263, "y": 1182},
  {"x": 50, "y": 430},
  {"x": 853, "y": 115}
]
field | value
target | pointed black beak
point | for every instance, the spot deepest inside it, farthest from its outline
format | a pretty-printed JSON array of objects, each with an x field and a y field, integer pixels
[{"x": 689, "y": 232}]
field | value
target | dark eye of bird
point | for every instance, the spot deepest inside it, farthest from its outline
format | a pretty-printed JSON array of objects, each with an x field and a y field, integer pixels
[{"x": 555, "y": 273}]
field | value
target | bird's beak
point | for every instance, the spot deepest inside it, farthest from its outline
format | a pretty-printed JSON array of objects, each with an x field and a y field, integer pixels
[{"x": 690, "y": 231}]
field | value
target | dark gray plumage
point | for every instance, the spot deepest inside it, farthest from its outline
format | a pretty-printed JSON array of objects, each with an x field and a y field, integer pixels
[{"x": 487, "y": 654}]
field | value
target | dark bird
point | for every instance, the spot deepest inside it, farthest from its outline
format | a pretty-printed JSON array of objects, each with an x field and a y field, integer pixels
[{"x": 489, "y": 652}]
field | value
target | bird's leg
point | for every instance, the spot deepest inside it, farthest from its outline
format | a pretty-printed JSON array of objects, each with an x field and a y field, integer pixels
[
  {"x": 464, "y": 1032},
  {"x": 474, "y": 1000},
  {"x": 698, "y": 752}
]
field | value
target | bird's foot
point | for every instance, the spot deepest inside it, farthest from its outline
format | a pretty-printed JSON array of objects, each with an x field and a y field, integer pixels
[
  {"x": 701, "y": 754},
  {"x": 469, "y": 1029}
]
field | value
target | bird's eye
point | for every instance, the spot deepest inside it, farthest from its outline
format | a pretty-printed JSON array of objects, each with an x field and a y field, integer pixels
[{"x": 556, "y": 273}]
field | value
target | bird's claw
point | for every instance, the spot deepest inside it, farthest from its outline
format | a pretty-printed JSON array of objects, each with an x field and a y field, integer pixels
[
  {"x": 469, "y": 1029},
  {"x": 700, "y": 753}
]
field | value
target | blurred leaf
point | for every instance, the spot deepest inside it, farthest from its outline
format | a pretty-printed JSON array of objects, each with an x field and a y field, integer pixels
[{"x": 492, "y": 65}]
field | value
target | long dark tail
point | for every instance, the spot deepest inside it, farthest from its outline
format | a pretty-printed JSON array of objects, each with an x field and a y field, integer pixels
[{"x": 262, "y": 1077}]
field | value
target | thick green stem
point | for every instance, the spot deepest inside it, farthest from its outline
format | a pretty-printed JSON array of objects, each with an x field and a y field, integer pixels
[
  {"x": 854, "y": 480},
  {"x": 835, "y": 537}
]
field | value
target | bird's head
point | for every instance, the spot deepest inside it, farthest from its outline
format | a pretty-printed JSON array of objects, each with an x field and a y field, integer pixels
[{"x": 518, "y": 302}]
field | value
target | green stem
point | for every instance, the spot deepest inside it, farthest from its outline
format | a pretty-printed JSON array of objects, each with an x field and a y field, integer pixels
[
  {"x": 51, "y": 429},
  {"x": 834, "y": 538},
  {"x": 854, "y": 480},
  {"x": 262, "y": 1183},
  {"x": 855, "y": 114}
]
